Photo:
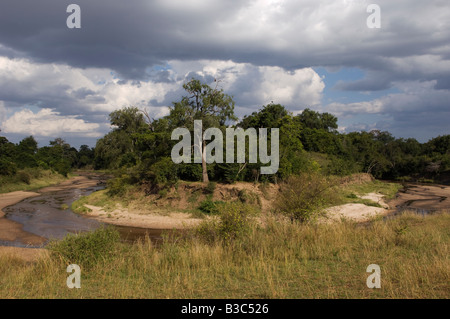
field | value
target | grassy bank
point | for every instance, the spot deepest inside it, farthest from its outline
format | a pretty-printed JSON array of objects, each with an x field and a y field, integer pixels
[
  {"x": 200, "y": 200},
  {"x": 281, "y": 260},
  {"x": 29, "y": 179}
]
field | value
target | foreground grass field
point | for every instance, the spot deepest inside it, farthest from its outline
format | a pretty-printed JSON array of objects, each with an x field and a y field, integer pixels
[{"x": 279, "y": 260}]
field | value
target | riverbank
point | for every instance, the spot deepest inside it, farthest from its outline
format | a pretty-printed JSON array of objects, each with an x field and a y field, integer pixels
[
  {"x": 12, "y": 232},
  {"x": 360, "y": 198},
  {"x": 422, "y": 197}
]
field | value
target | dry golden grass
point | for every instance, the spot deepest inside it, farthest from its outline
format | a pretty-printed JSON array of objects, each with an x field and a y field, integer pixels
[{"x": 281, "y": 260}]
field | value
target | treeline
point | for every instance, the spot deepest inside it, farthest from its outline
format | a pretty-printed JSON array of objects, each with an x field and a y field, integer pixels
[
  {"x": 59, "y": 156},
  {"x": 140, "y": 147}
]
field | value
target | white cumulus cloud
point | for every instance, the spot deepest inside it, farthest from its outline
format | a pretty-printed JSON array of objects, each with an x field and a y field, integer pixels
[{"x": 48, "y": 123}]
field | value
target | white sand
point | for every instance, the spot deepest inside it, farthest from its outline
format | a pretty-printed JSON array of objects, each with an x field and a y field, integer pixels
[{"x": 358, "y": 212}]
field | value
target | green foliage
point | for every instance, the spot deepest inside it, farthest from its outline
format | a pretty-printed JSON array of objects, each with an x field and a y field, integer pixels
[
  {"x": 209, "y": 189},
  {"x": 163, "y": 172},
  {"x": 319, "y": 121},
  {"x": 304, "y": 197},
  {"x": 7, "y": 168},
  {"x": 62, "y": 167},
  {"x": 210, "y": 207},
  {"x": 117, "y": 186},
  {"x": 269, "y": 116},
  {"x": 24, "y": 177},
  {"x": 233, "y": 224},
  {"x": 86, "y": 249}
]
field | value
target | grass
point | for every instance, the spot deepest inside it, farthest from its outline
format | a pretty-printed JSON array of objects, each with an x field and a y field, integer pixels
[
  {"x": 280, "y": 260},
  {"x": 387, "y": 189},
  {"x": 349, "y": 193},
  {"x": 38, "y": 179},
  {"x": 99, "y": 198}
]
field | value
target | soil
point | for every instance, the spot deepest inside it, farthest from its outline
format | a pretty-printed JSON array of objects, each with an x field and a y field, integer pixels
[
  {"x": 11, "y": 230},
  {"x": 422, "y": 197},
  {"x": 358, "y": 212},
  {"x": 142, "y": 218}
]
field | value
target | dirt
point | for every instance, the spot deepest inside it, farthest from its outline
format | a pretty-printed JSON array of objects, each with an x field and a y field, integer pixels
[
  {"x": 185, "y": 195},
  {"x": 191, "y": 194},
  {"x": 11, "y": 230},
  {"x": 422, "y": 197},
  {"x": 142, "y": 218},
  {"x": 358, "y": 212}
]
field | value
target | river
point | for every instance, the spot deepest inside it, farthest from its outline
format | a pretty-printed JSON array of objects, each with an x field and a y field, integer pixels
[
  {"x": 422, "y": 198},
  {"x": 49, "y": 215}
]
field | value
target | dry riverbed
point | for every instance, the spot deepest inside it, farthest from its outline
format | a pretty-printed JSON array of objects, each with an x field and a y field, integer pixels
[{"x": 11, "y": 231}]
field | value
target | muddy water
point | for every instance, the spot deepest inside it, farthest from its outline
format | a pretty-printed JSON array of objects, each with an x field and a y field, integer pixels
[
  {"x": 422, "y": 198},
  {"x": 49, "y": 216}
]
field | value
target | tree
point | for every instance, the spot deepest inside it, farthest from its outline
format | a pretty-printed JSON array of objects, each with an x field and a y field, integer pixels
[
  {"x": 129, "y": 120},
  {"x": 26, "y": 152},
  {"x": 321, "y": 121},
  {"x": 118, "y": 147},
  {"x": 210, "y": 105}
]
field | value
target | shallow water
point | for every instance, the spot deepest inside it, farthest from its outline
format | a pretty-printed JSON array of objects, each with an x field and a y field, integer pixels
[
  {"x": 422, "y": 198},
  {"x": 49, "y": 216}
]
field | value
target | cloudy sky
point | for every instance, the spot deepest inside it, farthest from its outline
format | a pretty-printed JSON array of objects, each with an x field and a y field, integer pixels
[{"x": 61, "y": 82}]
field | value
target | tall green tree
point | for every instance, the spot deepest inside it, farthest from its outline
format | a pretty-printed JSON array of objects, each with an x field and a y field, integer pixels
[
  {"x": 211, "y": 105},
  {"x": 118, "y": 147}
]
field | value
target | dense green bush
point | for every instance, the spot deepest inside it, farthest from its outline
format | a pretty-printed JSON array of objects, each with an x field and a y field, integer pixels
[
  {"x": 164, "y": 171},
  {"x": 303, "y": 197},
  {"x": 117, "y": 186},
  {"x": 210, "y": 207},
  {"x": 86, "y": 249},
  {"x": 232, "y": 224},
  {"x": 62, "y": 167},
  {"x": 7, "y": 168}
]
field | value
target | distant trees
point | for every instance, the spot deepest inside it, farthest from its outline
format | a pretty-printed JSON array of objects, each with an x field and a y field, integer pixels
[{"x": 58, "y": 156}]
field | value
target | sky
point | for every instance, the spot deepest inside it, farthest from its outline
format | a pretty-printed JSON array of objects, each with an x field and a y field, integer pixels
[{"x": 57, "y": 81}]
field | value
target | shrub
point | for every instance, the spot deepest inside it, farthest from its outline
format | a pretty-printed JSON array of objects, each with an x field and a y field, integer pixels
[
  {"x": 163, "y": 171},
  {"x": 24, "y": 177},
  {"x": 249, "y": 197},
  {"x": 232, "y": 224},
  {"x": 303, "y": 197},
  {"x": 7, "y": 168},
  {"x": 86, "y": 249},
  {"x": 117, "y": 186},
  {"x": 210, "y": 207},
  {"x": 209, "y": 189},
  {"x": 62, "y": 167}
]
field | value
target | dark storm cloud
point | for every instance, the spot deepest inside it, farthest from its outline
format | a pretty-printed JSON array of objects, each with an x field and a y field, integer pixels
[
  {"x": 128, "y": 36},
  {"x": 135, "y": 39}
]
